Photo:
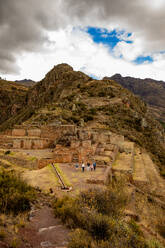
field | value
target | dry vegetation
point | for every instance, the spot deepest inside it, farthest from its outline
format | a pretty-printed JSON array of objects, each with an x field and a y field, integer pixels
[{"x": 97, "y": 220}]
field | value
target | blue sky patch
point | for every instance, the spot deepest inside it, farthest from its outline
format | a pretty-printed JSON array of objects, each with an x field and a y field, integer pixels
[
  {"x": 110, "y": 39},
  {"x": 143, "y": 59}
]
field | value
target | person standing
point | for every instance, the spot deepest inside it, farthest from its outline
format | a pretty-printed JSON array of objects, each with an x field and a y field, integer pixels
[
  {"x": 83, "y": 167},
  {"x": 94, "y": 166},
  {"x": 76, "y": 166},
  {"x": 91, "y": 166},
  {"x": 88, "y": 166}
]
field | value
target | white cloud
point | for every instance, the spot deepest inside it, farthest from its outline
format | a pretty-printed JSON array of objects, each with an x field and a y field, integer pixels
[
  {"x": 129, "y": 51},
  {"x": 24, "y": 38},
  {"x": 76, "y": 47}
]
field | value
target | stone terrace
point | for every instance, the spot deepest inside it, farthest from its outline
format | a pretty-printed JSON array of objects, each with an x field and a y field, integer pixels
[{"x": 25, "y": 137}]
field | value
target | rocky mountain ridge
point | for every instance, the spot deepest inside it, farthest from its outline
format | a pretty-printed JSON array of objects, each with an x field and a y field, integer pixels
[
  {"x": 12, "y": 96},
  {"x": 151, "y": 91},
  {"x": 26, "y": 82}
]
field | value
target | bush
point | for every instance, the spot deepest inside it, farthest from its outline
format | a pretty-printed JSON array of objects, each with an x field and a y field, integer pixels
[
  {"x": 93, "y": 111},
  {"x": 98, "y": 226},
  {"x": 80, "y": 239},
  {"x": 114, "y": 200},
  {"x": 102, "y": 94},
  {"x": 15, "y": 195},
  {"x": 154, "y": 244},
  {"x": 7, "y": 152},
  {"x": 70, "y": 212},
  {"x": 97, "y": 215},
  {"x": 88, "y": 117}
]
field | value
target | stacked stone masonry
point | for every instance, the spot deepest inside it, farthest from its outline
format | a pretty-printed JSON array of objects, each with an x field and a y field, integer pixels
[{"x": 84, "y": 144}]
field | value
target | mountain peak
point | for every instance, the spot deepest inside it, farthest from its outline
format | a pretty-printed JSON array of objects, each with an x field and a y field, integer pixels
[
  {"x": 115, "y": 76},
  {"x": 63, "y": 67},
  {"x": 64, "y": 72}
]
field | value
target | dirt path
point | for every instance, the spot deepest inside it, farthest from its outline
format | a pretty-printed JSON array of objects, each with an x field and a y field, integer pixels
[
  {"x": 44, "y": 230},
  {"x": 78, "y": 179}
]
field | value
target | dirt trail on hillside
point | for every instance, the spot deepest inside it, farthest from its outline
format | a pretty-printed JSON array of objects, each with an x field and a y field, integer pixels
[{"x": 44, "y": 230}]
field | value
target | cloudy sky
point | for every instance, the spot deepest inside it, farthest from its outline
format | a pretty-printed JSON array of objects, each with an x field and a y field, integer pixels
[{"x": 98, "y": 37}]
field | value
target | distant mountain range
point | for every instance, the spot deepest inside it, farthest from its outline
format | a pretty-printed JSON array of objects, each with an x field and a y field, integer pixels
[
  {"x": 151, "y": 91},
  {"x": 26, "y": 82}
]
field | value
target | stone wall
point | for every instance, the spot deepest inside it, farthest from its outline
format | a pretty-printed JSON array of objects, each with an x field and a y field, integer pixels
[
  {"x": 34, "y": 132},
  {"x": 44, "y": 162},
  {"x": 6, "y": 142},
  {"x": 50, "y": 132},
  {"x": 63, "y": 154},
  {"x": 116, "y": 139},
  {"x": 28, "y": 143},
  {"x": 19, "y": 132},
  {"x": 55, "y": 132},
  {"x": 25, "y": 137},
  {"x": 63, "y": 157},
  {"x": 21, "y": 162},
  {"x": 7, "y": 132}
]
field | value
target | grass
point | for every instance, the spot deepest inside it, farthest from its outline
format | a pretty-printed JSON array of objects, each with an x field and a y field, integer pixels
[
  {"x": 32, "y": 158},
  {"x": 15, "y": 243},
  {"x": 96, "y": 219},
  {"x": 53, "y": 174},
  {"x": 115, "y": 163},
  {"x": 15, "y": 194},
  {"x": 63, "y": 176},
  {"x": 153, "y": 243},
  {"x": 2, "y": 235}
]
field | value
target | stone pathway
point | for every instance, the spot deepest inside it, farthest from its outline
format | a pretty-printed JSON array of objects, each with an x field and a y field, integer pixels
[{"x": 44, "y": 230}]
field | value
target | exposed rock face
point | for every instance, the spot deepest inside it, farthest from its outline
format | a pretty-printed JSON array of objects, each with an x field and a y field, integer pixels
[
  {"x": 26, "y": 82},
  {"x": 12, "y": 97},
  {"x": 151, "y": 91}
]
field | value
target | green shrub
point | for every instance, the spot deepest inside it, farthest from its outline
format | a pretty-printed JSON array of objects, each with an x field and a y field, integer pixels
[
  {"x": 80, "y": 239},
  {"x": 15, "y": 195},
  {"x": 93, "y": 111},
  {"x": 2, "y": 235},
  {"x": 114, "y": 200},
  {"x": 87, "y": 117},
  {"x": 154, "y": 244},
  {"x": 7, "y": 152},
  {"x": 96, "y": 216},
  {"x": 70, "y": 212},
  {"x": 102, "y": 94},
  {"x": 98, "y": 226}
]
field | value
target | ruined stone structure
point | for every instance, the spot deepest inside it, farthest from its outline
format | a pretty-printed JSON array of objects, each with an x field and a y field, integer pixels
[
  {"x": 101, "y": 146},
  {"x": 25, "y": 137},
  {"x": 70, "y": 144}
]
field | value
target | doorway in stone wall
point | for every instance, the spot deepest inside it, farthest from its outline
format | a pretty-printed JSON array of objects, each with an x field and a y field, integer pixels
[
  {"x": 32, "y": 146},
  {"x": 22, "y": 144}
]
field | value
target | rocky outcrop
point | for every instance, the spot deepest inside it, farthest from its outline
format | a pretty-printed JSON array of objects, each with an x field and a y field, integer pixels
[{"x": 151, "y": 91}]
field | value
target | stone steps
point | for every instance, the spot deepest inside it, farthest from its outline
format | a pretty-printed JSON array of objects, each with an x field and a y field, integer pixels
[
  {"x": 123, "y": 163},
  {"x": 146, "y": 175},
  {"x": 157, "y": 184},
  {"x": 139, "y": 173}
]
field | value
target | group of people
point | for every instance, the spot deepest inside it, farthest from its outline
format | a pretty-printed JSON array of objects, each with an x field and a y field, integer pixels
[{"x": 88, "y": 166}]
